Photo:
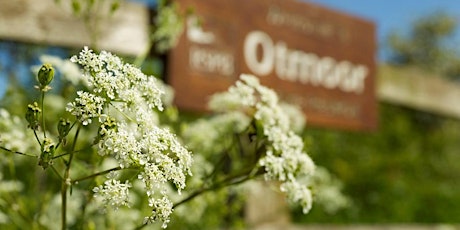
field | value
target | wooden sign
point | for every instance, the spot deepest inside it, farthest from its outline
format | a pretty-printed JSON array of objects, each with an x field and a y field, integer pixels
[{"x": 320, "y": 59}]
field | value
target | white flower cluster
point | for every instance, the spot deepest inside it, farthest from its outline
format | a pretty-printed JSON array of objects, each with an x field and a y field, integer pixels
[
  {"x": 116, "y": 81},
  {"x": 298, "y": 193},
  {"x": 284, "y": 159},
  {"x": 113, "y": 193},
  {"x": 162, "y": 209},
  {"x": 124, "y": 100},
  {"x": 156, "y": 150},
  {"x": 86, "y": 106}
]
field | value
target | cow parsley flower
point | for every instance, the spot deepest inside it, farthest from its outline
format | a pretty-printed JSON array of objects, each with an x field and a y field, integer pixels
[
  {"x": 86, "y": 106},
  {"x": 113, "y": 193},
  {"x": 298, "y": 194},
  {"x": 162, "y": 209},
  {"x": 115, "y": 80},
  {"x": 284, "y": 159},
  {"x": 126, "y": 101}
]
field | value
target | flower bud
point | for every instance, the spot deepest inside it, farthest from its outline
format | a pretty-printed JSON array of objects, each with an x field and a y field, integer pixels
[
  {"x": 45, "y": 75},
  {"x": 32, "y": 114},
  {"x": 46, "y": 157},
  {"x": 63, "y": 127}
]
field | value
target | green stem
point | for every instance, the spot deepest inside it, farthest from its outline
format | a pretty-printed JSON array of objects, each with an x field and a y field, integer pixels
[
  {"x": 65, "y": 181},
  {"x": 16, "y": 152},
  {"x": 229, "y": 181},
  {"x": 76, "y": 151},
  {"x": 36, "y": 137},
  {"x": 97, "y": 174},
  {"x": 43, "y": 114},
  {"x": 207, "y": 189},
  {"x": 61, "y": 155}
]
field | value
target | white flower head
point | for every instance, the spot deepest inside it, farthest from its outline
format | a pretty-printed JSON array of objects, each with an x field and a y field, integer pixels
[
  {"x": 284, "y": 159},
  {"x": 161, "y": 210},
  {"x": 118, "y": 81},
  {"x": 113, "y": 193},
  {"x": 86, "y": 107},
  {"x": 126, "y": 101},
  {"x": 298, "y": 193}
]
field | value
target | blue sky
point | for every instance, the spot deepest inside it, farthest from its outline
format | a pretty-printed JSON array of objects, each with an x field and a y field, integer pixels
[{"x": 390, "y": 15}]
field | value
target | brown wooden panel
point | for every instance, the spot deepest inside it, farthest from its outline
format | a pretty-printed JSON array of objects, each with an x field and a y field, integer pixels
[{"x": 320, "y": 59}]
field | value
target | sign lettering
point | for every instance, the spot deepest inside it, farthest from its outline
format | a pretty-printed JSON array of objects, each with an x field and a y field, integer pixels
[
  {"x": 317, "y": 58},
  {"x": 298, "y": 66}
]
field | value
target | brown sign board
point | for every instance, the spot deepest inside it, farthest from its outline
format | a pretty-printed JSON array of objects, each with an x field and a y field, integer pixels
[{"x": 318, "y": 58}]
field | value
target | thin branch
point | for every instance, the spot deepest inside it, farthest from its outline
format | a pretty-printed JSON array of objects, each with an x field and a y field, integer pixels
[
  {"x": 97, "y": 174},
  {"x": 17, "y": 152},
  {"x": 36, "y": 137},
  {"x": 231, "y": 180},
  {"x": 61, "y": 155},
  {"x": 76, "y": 151}
]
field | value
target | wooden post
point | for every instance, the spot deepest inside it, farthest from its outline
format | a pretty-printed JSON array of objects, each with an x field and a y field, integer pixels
[{"x": 266, "y": 207}]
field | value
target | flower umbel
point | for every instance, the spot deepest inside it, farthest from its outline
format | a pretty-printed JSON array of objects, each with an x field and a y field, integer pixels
[
  {"x": 162, "y": 209},
  {"x": 86, "y": 106},
  {"x": 114, "y": 80},
  {"x": 113, "y": 193},
  {"x": 126, "y": 101},
  {"x": 283, "y": 159}
]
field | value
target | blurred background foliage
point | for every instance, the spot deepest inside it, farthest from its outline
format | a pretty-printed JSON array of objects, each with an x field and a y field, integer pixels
[
  {"x": 406, "y": 171},
  {"x": 428, "y": 44}
]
